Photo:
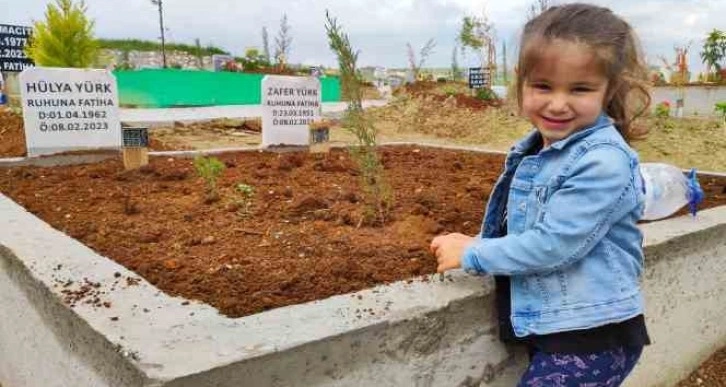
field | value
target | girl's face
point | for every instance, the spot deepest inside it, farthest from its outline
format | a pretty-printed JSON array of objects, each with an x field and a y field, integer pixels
[{"x": 565, "y": 91}]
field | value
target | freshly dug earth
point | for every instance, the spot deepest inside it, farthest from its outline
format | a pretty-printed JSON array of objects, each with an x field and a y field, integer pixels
[
  {"x": 301, "y": 238},
  {"x": 12, "y": 134},
  {"x": 712, "y": 373},
  {"x": 442, "y": 91}
]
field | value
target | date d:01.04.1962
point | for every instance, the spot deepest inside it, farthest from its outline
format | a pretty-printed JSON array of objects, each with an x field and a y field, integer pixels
[{"x": 78, "y": 115}]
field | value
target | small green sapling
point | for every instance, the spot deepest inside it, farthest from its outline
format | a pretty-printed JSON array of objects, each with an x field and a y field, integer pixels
[{"x": 209, "y": 169}]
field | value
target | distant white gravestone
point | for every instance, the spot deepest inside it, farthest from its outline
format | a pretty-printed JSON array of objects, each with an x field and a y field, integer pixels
[
  {"x": 69, "y": 110},
  {"x": 289, "y": 104}
]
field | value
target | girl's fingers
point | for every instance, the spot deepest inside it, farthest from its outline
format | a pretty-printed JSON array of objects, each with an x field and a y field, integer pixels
[
  {"x": 444, "y": 266},
  {"x": 435, "y": 244}
]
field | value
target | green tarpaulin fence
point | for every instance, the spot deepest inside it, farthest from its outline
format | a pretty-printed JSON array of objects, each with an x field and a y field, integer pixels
[{"x": 178, "y": 88}]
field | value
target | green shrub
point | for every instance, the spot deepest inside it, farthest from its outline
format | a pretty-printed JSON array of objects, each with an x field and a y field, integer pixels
[
  {"x": 720, "y": 108},
  {"x": 449, "y": 90},
  {"x": 65, "y": 38},
  {"x": 486, "y": 94},
  {"x": 245, "y": 195},
  {"x": 663, "y": 109},
  {"x": 378, "y": 195},
  {"x": 209, "y": 169}
]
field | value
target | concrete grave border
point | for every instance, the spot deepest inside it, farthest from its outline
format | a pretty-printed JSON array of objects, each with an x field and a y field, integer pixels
[{"x": 432, "y": 331}]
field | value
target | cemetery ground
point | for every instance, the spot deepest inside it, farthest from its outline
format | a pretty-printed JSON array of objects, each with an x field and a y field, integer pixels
[
  {"x": 292, "y": 239},
  {"x": 444, "y": 114},
  {"x": 437, "y": 113}
]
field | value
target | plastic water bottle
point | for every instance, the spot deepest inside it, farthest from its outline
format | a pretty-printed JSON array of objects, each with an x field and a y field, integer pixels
[{"x": 667, "y": 189}]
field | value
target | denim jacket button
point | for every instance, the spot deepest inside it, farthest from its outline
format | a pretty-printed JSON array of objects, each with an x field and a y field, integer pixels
[{"x": 522, "y": 206}]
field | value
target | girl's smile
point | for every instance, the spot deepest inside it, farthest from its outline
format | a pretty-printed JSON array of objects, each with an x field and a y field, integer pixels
[
  {"x": 555, "y": 124},
  {"x": 565, "y": 91}
]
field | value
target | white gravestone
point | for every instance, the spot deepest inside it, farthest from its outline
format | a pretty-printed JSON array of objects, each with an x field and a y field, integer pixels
[
  {"x": 69, "y": 110},
  {"x": 289, "y": 104}
]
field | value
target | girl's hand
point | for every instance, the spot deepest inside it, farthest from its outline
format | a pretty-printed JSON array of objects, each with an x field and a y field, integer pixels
[{"x": 448, "y": 250}]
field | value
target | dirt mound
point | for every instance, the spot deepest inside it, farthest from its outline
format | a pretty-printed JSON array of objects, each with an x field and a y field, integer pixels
[
  {"x": 417, "y": 88},
  {"x": 12, "y": 134},
  {"x": 469, "y": 102},
  {"x": 433, "y": 91}
]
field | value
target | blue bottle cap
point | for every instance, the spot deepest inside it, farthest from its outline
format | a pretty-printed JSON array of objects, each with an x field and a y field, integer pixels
[{"x": 695, "y": 192}]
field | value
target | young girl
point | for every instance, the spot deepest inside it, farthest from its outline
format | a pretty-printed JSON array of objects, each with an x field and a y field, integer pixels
[{"x": 559, "y": 234}]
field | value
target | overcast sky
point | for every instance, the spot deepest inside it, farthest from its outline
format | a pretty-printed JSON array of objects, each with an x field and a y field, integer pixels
[{"x": 379, "y": 29}]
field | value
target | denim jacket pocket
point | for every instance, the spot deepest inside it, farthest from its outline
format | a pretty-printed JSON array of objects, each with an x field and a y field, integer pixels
[
  {"x": 519, "y": 205},
  {"x": 540, "y": 201},
  {"x": 542, "y": 194},
  {"x": 613, "y": 258}
]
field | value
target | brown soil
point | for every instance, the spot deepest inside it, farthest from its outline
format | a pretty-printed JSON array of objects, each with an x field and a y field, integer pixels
[
  {"x": 433, "y": 91},
  {"x": 300, "y": 239},
  {"x": 156, "y": 144},
  {"x": 712, "y": 373},
  {"x": 12, "y": 134}
]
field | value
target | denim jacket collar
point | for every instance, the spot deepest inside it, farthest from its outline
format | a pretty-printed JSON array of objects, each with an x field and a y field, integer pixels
[{"x": 530, "y": 139}]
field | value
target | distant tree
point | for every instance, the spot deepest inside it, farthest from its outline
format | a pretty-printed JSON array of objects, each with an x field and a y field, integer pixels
[
  {"x": 125, "y": 62},
  {"x": 145, "y": 45},
  {"x": 537, "y": 8},
  {"x": 266, "y": 43},
  {"x": 714, "y": 52},
  {"x": 478, "y": 34},
  {"x": 424, "y": 54},
  {"x": 231, "y": 66},
  {"x": 65, "y": 38},
  {"x": 455, "y": 70},
  {"x": 283, "y": 41},
  {"x": 471, "y": 33},
  {"x": 253, "y": 60},
  {"x": 198, "y": 53},
  {"x": 411, "y": 60},
  {"x": 504, "y": 62}
]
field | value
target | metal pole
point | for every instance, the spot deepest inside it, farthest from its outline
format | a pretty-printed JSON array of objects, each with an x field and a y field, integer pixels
[{"x": 161, "y": 25}]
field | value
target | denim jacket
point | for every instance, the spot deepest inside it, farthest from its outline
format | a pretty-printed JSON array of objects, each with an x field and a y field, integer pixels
[{"x": 572, "y": 248}]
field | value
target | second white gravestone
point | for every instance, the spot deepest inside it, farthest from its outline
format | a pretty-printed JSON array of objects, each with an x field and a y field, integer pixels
[{"x": 289, "y": 105}]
